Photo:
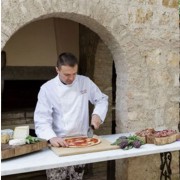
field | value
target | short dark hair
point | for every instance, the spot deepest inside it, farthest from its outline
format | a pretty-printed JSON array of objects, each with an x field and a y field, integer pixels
[{"x": 67, "y": 59}]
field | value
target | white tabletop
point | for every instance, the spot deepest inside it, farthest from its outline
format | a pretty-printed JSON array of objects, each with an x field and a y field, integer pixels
[{"x": 47, "y": 159}]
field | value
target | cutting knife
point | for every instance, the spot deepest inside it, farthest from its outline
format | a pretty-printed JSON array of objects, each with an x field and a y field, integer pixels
[{"x": 90, "y": 131}]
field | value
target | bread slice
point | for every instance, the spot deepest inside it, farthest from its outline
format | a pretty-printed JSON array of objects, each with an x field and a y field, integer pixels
[{"x": 165, "y": 140}]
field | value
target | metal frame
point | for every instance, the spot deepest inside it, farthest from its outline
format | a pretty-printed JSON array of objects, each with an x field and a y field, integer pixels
[{"x": 165, "y": 166}]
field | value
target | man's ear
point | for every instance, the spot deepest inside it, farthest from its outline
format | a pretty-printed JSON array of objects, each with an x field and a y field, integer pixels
[{"x": 57, "y": 70}]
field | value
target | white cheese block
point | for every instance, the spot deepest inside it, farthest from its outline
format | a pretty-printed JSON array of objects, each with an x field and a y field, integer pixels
[
  {"x": 16, "y": 142},
  {"x": 21, "y": 132}
]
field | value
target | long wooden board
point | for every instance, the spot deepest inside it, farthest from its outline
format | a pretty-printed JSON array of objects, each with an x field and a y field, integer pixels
[
  {"x": 103, "y": 146},
  {"x": 8, "y": 151}
]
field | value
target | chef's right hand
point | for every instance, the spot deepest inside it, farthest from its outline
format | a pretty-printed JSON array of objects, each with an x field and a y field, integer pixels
[{"x": 58, "y": 142}]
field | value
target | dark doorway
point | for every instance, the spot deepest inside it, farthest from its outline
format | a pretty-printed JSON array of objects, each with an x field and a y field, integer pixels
[{"x": 111, "y": 164}]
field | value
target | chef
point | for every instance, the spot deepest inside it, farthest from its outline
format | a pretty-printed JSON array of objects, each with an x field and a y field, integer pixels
[{"x": 63, "y": 110}]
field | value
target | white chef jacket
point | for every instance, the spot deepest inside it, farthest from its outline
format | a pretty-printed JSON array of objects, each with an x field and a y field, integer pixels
[{"x": 63, "y": 110}]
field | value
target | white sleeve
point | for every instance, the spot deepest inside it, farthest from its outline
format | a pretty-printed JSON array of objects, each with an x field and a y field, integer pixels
[
  {"x": 43, "y": 117},
  {"x": 99, "y": 100}
]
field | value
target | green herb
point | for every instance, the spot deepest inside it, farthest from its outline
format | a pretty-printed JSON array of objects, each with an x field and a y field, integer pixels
[
  {"x": 117, "y": 142},
  {"x": 31, "y": 139}
]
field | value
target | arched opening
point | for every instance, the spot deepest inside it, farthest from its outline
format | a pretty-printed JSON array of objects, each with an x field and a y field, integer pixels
[
  {"x": 105, "y": 33},
  {"x": 26, "y": 69}
]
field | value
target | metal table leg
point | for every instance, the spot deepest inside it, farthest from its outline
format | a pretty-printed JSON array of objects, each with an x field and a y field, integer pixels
[
  {"x": 179, "y": 151},
  {"x": 165, "y": 166},
  {"x": 179, "y": 164}
]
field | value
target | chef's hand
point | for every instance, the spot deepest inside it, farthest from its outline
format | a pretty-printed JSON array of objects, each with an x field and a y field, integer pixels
[
  {"x": 58, "y": 142},
  {"x": 96, "y": 121}
]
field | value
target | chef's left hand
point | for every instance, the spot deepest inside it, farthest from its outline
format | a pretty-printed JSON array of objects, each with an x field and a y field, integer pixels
[{"x": 95, "y": 121}]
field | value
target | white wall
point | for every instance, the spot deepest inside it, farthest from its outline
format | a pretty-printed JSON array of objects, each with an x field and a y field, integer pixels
[{"x": 39, "y": 43}]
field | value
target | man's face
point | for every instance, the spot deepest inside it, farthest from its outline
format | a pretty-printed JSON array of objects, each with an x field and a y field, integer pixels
[{"x": 67, "y": 74}]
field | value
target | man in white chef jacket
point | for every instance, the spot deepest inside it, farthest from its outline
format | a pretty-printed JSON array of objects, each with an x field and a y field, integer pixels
[{"x": 63, "y": 110}]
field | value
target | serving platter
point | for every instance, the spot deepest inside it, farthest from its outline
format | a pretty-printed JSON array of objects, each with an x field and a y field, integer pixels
[{"x": 9, "y": 151}]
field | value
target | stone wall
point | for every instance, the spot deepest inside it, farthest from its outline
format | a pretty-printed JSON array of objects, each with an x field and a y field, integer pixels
[
  {"x": 17, "y": 118},
  {"x": 143, "y": 38},
  {"x": 103, "y": 78},
  {"x": 88, "y": 41}
]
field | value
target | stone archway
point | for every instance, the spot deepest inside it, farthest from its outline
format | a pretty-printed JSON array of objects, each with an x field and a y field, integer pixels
[
  {"x": 33, "y": 11},
  {"x": 16, "y": 23}
]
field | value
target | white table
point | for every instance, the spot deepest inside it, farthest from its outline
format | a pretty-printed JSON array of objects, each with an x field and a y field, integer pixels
[{"x": 47, "y": 159}]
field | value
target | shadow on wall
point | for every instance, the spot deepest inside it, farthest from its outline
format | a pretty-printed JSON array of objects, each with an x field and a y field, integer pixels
[{"x": 3, "y": 65}]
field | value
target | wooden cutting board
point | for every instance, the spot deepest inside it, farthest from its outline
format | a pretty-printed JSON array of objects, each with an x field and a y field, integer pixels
[
  {"x": 8, "y": 151},
  {"x": 103, "y": 146}
]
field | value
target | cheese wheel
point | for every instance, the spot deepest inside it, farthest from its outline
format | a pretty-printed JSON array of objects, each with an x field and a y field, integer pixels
[
  {"x": 5, "y": 138},
  {"x": 16, "y": 142},
  {"x": 7, "y": 131}
]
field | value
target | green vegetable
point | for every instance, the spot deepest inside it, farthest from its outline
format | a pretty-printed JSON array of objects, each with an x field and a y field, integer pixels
[
  {"x": 128, "y": 142},
  {"x": 119, "y": 140},
  {"x": 123, "y": 144},
  {"x": 31, "y": 139},
  {"x": 123, "y": 137},
  {"x": 136, "y": 143}
]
